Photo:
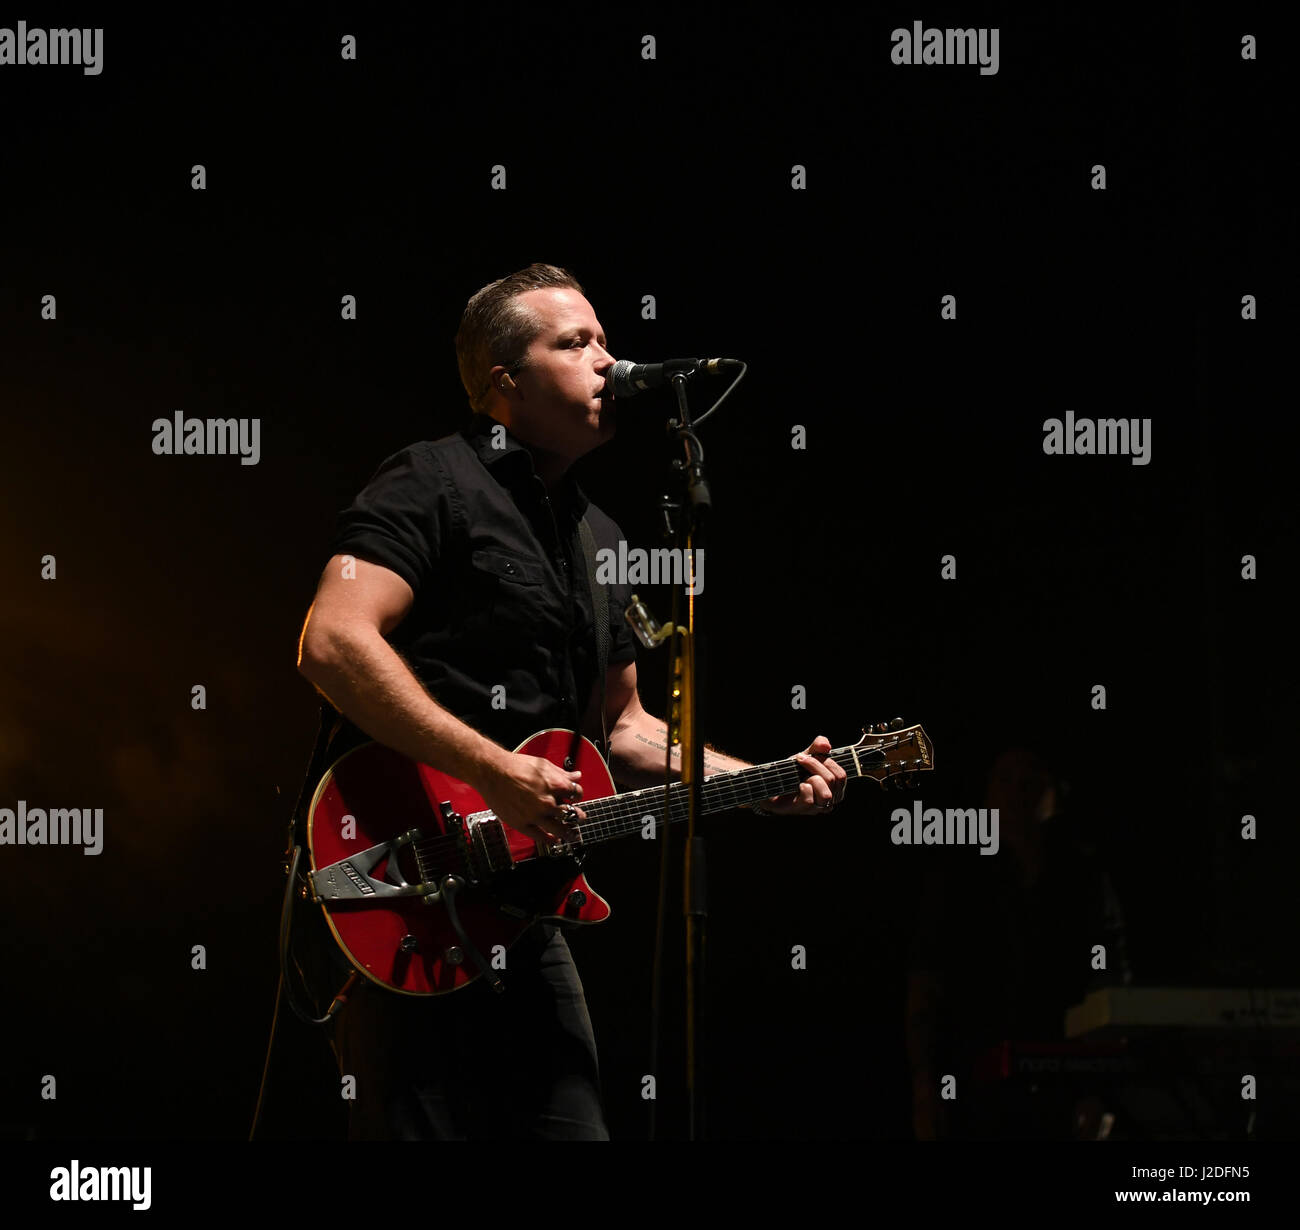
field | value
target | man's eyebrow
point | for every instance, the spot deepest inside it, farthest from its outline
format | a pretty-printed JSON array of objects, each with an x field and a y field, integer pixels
[{"x": 572, "y": 329}]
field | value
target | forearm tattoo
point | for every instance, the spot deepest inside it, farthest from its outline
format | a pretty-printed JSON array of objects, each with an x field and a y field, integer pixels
[{"x": 711, "y": 765}]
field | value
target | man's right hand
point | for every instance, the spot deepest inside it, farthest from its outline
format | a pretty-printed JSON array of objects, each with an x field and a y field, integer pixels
[{"x": 528, "y": 793}]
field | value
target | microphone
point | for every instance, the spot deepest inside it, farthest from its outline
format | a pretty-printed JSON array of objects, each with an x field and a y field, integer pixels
[{"x": 627, "y": 379}]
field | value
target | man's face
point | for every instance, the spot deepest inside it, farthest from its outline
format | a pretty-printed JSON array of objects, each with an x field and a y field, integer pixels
[{"x": 556, "y": 404}]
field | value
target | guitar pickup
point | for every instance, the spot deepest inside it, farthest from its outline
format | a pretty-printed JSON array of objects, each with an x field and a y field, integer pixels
[
  {"x": 489, "y": 851},
  {"x": 350, "y": 880}
]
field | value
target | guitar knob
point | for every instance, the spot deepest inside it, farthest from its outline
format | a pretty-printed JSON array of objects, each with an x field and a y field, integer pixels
[
  {"x": 577, "y": 898},
  {"x": 896, "y": 724},
  {"x": 408, "y": 943},
  {"x": 454, "y": 955}
]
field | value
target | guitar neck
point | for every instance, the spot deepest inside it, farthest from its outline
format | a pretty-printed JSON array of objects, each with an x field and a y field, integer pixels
[{"x": 622, "y": 815}]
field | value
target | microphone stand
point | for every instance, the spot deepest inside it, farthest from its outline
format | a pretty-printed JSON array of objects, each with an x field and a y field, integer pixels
[
  {"x": 683, "y": 727},
  {"x": 685, "y": 521}
]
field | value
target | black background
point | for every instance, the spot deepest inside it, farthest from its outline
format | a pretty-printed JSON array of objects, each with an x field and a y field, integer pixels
[{"x": 668, "y": 178}]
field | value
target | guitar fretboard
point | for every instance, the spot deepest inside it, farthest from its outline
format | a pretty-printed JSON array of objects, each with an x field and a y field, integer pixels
[{"x": 621, "y": 815}]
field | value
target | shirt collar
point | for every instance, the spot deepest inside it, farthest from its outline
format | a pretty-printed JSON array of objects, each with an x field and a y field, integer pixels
[{"x": 513, "y": 461}]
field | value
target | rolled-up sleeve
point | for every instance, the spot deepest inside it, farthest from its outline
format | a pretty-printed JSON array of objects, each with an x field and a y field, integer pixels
[{"x": 401, "y": 518}]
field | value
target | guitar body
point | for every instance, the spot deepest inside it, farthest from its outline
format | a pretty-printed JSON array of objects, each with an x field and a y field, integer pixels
[
  {"x": 424, "y": 889},
  {"x": 374, "y": 796}
]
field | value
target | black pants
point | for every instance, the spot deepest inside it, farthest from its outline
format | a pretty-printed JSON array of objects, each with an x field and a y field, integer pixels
[{"x": 477, "y": 1064}]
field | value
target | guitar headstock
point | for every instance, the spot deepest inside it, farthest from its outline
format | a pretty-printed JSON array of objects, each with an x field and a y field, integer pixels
[{"x": 894, "y": 754}]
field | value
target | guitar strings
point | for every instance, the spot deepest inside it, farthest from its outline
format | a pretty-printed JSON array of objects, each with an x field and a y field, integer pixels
[
  {"x": 619, "y": 815},
  {"x": 616, "y": 815}
]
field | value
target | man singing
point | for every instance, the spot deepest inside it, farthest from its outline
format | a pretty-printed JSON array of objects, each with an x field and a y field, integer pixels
[{"x": 465, "y": 574}]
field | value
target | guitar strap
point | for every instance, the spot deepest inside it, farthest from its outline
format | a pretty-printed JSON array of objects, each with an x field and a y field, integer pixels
[
  {"x": 295, "y": 880},
  {"x": 600, "y": 611},
  {"x": 330, "y": 722}
]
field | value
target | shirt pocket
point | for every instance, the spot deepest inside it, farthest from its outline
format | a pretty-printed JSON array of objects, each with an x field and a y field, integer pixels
[{"x": 493, "y": 563}]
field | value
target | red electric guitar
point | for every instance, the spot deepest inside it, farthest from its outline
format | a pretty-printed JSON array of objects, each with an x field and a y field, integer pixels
[{"x": 425, "y": 889}]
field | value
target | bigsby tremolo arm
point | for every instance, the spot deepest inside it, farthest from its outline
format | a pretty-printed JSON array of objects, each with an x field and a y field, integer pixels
[{"x": 350, "y": 880}]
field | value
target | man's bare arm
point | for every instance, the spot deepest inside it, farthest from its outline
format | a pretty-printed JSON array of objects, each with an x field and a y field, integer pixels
[
  {"x": 343, "y": 652},
  {"x": 638, "y": 740}
]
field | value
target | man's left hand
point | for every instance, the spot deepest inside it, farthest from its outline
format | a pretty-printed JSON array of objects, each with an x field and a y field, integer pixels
[{"x": 823, "y": 789}]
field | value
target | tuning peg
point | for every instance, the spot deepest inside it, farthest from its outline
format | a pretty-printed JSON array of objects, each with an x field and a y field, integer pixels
[{"x": 896, "y": 724}]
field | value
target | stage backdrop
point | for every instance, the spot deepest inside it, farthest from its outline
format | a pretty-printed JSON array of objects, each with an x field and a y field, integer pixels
[{"x": 1010, "y": 460}]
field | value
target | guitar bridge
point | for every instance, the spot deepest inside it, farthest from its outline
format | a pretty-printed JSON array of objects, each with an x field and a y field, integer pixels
[{"x": 561, "y": 849}]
